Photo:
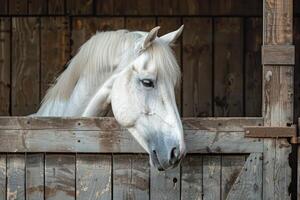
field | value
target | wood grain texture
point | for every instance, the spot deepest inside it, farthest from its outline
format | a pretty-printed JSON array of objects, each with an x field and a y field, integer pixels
[
  {"x": 37, "y": 7},
  {"x": 191, "y": 177},
  {"x": 228, "y": 64},
  {"x": 79, "y": 7},
  {"x": 236, "y": 7},
  {"x": 15, "y": 177},
  {"x": 93, "y": 177},
  {"x": 253, "y": 72},
  {"x": 4, "y": 7},
  {"x": 165, "y": 185},
  {"x": 2, "y": 176},
  {"x": 134, "y": 7},
  {"x": 297, "y": 68},
  {"x": 35, "y": 176},
  {"x": 55, "y": 47},
  {"x": 231, "y": 169},
  {"x": 56, "y": 7},
  {"x": 18, "y": 7},
  {"x": 249, "y": 183},
  {"x": 5, "y": 67},
  {"x": 104, "y": 7},
  {"x": 278, "y": 55},
  {"x": 25, "y": 65},
  {"x": 197, "y": 67},
  {"x": 130, "y": 177},
  {"x": 167, "y": 25},
  {"x": 141, "y": 23},
  {"x": 211, "y": 177}
]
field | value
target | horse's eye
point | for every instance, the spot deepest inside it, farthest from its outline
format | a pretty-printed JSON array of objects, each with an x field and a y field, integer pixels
[{"x": 147, "y": 83}]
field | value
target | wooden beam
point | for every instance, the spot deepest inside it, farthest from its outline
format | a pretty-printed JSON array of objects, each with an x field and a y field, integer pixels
[{"x": 278, "y": 55}]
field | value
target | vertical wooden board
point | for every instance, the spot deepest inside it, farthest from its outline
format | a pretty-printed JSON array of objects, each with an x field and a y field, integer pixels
[
  {"x": 167, "y": 25},
  {"x": 248, "y": 185},
  {"x": 197, "y": 67},
  {"x": 253, "y": 70},
  {"x": 37, "y": 7},
  {"x": 104, "y": 7},
  {"x": 17, "y": 7},
  {"x": 211, "y": 177},
  {"x": 56, "y": 7},
  {"x": 59, "y": 177},
  {"x": 130, "y": 177},
  {"x": 25, "y": 65},
  {"x": 191, "y": 178},
  {"x": 228, "y": 67},
  {"x": 93, "y": 177},
  {"x": 134, "y": 7},
  {"x": 269, "y": 169},
  {"x": 79, "y": 7},
  {"x": 195, "y": 7},
  {"x": 5, "y": 66},
  {"x": 297, "y": 68},
  {"x": 231, "y": 168},
  {"x": 35, "y": 176},
  {"x": 236, "y": 7},
  {"x": 165, "y": 185},
  {"x": 84, "y": 28},
  {"x": 55, "y": 47},
  {"x": 167, "y": 7},
  {"x": 15, "y": 177},
  {"x": 4, "y": 7},
  {"x": 140, "y": 23},
  {"x": 2, "y": 176}
]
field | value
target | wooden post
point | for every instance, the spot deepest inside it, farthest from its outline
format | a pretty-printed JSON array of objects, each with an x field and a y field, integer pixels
[{"x": 278, "y": 71}]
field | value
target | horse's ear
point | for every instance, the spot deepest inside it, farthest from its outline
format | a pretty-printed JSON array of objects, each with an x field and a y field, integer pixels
[
  {"x": 150, "y": 37},
  {"x": 170, "y": 38}
]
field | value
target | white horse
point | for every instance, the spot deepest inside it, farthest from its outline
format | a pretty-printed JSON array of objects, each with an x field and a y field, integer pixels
[{"x": 135, "y": 72}]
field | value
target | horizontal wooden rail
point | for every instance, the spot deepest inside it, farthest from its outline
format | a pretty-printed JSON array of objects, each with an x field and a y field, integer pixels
[
  {"x": 278, "y": 55},
  {"x": 103, "y": 135}
]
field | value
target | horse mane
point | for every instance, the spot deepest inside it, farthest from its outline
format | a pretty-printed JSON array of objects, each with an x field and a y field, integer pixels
[{"x": 96, "y": 61}]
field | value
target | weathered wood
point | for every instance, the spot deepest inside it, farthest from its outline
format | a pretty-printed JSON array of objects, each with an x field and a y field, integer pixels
[
  {"x": 231, "y": 169},
  {"x": 104, "y": 7},
  {"x": 211, "y": 177},
  {"x": 195, "y": 7},
  {"x": 297, "y": 68},
  {"x": 165, "y": 185},
  {"x": 191, "y": 177},
  {"x": 2, "y": 176},
  {"x": 249, "y": 183},
  {"x": 93, "y": 177},
  {"x": 55, "y": 49},
  {"x": 141, "y": 23},
  {"x": 253, "y": 74},
  {"x": 4, "y": 7},
  {"x": 228, "y": 59},
  {"x": 130, "y": 177},
  {"x": 134, "y": 7},
  {"x": 56, "y": 7},
  {"x": 278, "y": 55},
  {"x": 59, "y": 177},
  {"x": 197, "y": 67},
  {"x": 25, "y": 65},
  {"x": 5, "y": 67},
  {"x": 236, "y": 7},
  {"x": 35, "y": 176},
  {"x": 18, "y": 7},
  {"x": 275, "y": 132},
  {"x": 37, "y": 7},
  {"x": 15, "y": 177},
  {"x": 79, "y": 7}
]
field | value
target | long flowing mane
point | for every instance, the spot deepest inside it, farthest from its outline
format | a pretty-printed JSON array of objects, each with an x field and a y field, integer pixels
[{"x": 102, "y": 55}]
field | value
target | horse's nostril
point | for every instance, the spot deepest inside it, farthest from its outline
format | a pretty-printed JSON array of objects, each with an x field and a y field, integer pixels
[{"x": 174, "y": 156}]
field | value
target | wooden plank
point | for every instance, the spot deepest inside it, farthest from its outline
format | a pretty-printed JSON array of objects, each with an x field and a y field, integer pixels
[
  {"x": 165, "y": 184},
  {"x": 140, "y": 24},
  {"x": 25, "y": 65},
  {"x": 84, "y": 28},
  {"x": 236, "y": 7},
  {"x": 15, "y": 177},
  {"x": 134, "y": 7},
  {"x": 197, "y": 70},
  {"x": 191, "y": 177},
  {"x": 195, "y": 7},
  {"x": 55, "y": 49},
  {"x": 93, "y": 176},
  {"x": 198, "y": 141},
  {"x": 2, "y": 176},
  {"x": 278, "y": 54},
  {"x": 104, "y": 7},
  {"x": 4, "y": 7},
  {"x": 56, "y": 7},
  {"x": 79, "y": 7},
  {"x": 275, "y": 132},
  {"x": 5, "y": 85},
  {"x": 169, "y": 24},
  {"x": 110, "y": 124},
  {"x": 130, "y": 177},
  {"x": 37, "y": 7},
  {"x": 35, "y": 176},
  {"x": 18, "y": 7},
  {"x": 211, "y": 177},
  {"x": 167, "y": 7},
  {"x": 253, "y": 78},
  {"x": 59, "y": 177},
  {"x": 228, "y": 62},
  {"x": 297, "y": 68},
  {"x": 249, "y": 183},
  {"x": 231, "y": 169}
]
